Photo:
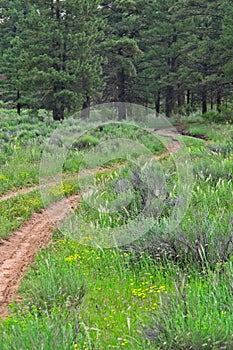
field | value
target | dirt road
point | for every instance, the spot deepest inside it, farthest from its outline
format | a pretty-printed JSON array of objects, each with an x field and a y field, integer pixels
[{"x": 20, "y": 249}]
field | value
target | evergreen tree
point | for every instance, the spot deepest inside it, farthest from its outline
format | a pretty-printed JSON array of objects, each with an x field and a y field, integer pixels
[
  {"x": 60, "y": 69},
  {"x": 10, "y": 65},
  {"x": 205, "y": 62},
  {"x": 166, "y": 42},
  {"x": 226, "y": 47},
  {"x": 120, "y": 50}
]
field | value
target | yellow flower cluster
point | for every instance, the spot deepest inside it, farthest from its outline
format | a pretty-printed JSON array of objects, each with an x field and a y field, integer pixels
[
  {"x": 125, "y": 342},
  {"x": 3, "y": 177},
  {"x": 146, "y": 290},
  {"x": 62, "y": 189},
  {"x": 76, "y": 346},
  {"x": 73, "y": 257},
  {"x": 56, "y": 190}
]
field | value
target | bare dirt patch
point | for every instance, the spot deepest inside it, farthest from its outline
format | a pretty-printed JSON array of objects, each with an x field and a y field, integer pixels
[{"x": 19, "y": 251}]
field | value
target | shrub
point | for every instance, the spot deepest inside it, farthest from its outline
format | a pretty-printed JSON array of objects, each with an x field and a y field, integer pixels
[
  {"x": 226, "y": 115},
  {"x": 213, "y": 170},
  {"x": 213, "y": 116},
  {"x": 85, "y": 142},
  {"x": 58, "y": 330}
]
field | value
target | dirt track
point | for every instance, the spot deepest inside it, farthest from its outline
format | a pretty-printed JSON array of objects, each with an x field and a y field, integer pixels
[{"x": 19, "y": 251}]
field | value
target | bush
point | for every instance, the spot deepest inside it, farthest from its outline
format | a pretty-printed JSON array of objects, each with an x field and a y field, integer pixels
[
  {"x": 85, "y": 142},
  {"x": 213, "y": 170},
  {"x": 56, "y": 331},
  {"x": 226, "y": 115},
  {"x": 213, "y": 116}
]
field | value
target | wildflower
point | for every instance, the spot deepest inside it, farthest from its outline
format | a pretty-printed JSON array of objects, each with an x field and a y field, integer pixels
[
  {"x": 3, "y": 177},
  {"x": 73, "y": 257}
]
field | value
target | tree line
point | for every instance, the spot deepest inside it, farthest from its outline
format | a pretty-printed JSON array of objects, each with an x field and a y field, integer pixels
[{"x": 64, "y": 55}]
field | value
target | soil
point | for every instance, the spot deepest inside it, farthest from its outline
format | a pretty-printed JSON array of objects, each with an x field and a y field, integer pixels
[
  {"x": 172, "y": 146},
  {"x": 20, "y": 250}
]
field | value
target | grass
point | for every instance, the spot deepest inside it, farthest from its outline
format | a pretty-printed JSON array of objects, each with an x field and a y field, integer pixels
[
  {"x": 24, "y": 138},
  {"x": 17, "y": 210},
  {"x": 164, "y": 291},
  {"x": 215, "y": 132}
]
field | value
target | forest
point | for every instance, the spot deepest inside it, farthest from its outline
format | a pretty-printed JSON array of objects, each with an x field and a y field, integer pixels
[{"x": 173, "y": 56}]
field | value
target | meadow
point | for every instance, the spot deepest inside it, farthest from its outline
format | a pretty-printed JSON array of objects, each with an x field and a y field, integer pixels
[{"x": 164, "y": 290}]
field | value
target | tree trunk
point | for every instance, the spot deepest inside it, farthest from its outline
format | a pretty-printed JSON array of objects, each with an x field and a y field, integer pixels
[
  {"x": 188, "y": 97},
  {"x": 211, "y": 100},
  {"x": 157, "y": 102},
  {"x": 86, "y": 107},
  {"x": 204, "y": 100},
  {"x": 122, "y": 111},
  {"x": 192, "y": 99},
  {"x": 169, "y": 102},
  {"x": 58, "y": 113},
  {"x": 130, "y": 110},
  {"x": 121, "y": 95},
  {"x": 219, "y": 101},
  {"x": 181, "y": 99}
]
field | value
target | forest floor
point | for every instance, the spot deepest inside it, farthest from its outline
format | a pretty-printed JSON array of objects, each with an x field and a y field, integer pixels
[{"x": 20, "y": 250}]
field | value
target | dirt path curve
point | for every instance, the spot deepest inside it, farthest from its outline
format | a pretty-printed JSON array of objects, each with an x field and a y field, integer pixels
[
  {"x": 18, "y": 192},
  {"x": 20, "y": 250},
  {"x": 173, "y": 144}
]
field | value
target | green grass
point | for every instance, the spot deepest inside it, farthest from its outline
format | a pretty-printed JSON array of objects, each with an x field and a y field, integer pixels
[
  {"x": 215, "y": 132},
  {"x": 17, "y": 210},
  {"x": 198, "y": 315},
  {"x": 166, "y": 291},
  {"x": 23, "y": 139}
]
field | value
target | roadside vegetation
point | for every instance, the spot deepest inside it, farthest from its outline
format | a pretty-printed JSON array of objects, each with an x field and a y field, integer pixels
[{"x": 163, "y": 291}]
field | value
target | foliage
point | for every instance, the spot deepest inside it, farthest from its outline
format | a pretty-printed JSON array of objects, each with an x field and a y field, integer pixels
[
  {"x": 84, "y": 142},
  {"x": 173, "y": 56},
  {"x": 57, "y": 44},
  {"x": 15, "y": 211},
  {"x": 219, "y": 117}
]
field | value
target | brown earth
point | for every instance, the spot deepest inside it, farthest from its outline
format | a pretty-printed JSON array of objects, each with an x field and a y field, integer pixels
[{"x": 20, "y": 250}]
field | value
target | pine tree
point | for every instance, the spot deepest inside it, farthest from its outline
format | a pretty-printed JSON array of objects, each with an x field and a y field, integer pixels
[
  {"x": 165, "y": 41},
  {"x": 10, "y": 65},
  {"x": 226, "y": 45},
  {"x": 120, "y": 50},
  {"x": 60, "y": 69},
  {"x": 205, "y": 62}
]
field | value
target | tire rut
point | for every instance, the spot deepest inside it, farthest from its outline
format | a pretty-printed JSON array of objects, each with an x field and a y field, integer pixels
[{"x": 20, "y": 250}]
